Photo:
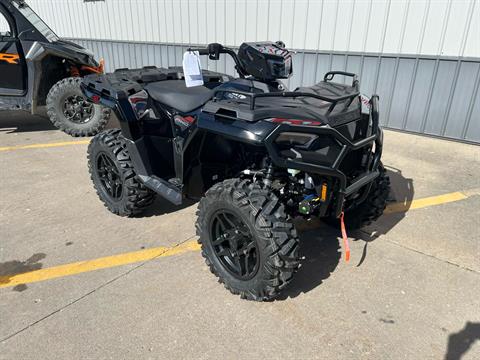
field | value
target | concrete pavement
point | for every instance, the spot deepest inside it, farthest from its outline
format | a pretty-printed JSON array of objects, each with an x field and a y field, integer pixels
[{"x": 411, "y": 290}]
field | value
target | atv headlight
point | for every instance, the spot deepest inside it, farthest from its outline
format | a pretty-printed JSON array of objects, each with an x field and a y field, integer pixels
[{"x": 294, "y": 138}]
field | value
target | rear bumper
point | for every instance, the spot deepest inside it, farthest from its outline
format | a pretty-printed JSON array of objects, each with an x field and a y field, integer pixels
[{"x": 333, "y": 168}]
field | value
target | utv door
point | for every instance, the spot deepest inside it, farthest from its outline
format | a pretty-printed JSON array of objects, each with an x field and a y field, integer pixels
[{"x": 13, "y": 72}]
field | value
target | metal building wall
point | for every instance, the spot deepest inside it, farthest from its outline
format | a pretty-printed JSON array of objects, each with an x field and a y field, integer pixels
[{"x": 421, "y": 56}]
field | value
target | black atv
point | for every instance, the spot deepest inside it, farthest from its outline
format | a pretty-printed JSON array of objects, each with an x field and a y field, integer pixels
[
  {"x": 255, "y": 155},
  {"x": 37, "y": 68}
]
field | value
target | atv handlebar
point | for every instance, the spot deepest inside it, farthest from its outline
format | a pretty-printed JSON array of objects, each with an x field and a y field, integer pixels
[{"x": 214, "y": 50}]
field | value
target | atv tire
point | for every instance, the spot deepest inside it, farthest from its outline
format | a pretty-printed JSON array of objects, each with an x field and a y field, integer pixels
[
  {"x": 371, "y": 208},
  {"x": 114, "y": 177},
  {"x": 273, "y": 257},
  {"x": 70, "y": 112}
]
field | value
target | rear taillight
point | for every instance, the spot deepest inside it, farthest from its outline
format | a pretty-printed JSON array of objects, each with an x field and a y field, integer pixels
[
  {"x": 138, "y": 101},
  {"x": 295, "y": 122}
]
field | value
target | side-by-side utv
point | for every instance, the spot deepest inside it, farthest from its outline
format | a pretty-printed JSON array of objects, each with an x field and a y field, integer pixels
[
  {"x": 37, "y": 68},
  {"x": 255, "y": 155}
]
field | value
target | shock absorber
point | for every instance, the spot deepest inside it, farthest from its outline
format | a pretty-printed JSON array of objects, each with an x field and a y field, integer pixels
[{"x": 268, "y": 176}]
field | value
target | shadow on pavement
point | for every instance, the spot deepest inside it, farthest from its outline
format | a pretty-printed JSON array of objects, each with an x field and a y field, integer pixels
[
  {"x": 321, "y": 251},
  {"x": 460, "y": 342},
  {"x": 22, "y": 121},
  {"x": 401, "y": 196},
  {"x": 10, "y": 268},
  {"x": 319, "y": 242}
]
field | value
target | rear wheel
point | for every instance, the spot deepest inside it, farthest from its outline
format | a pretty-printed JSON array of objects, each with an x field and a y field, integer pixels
[
  {"x": 114, "y": 177},
  {"x": 69, "y": 110},
  {"x": 247, "y": 239}
]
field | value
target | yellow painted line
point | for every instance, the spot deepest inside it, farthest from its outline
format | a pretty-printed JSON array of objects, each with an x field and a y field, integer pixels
[
  {"x": 191, "y": 245},
  {"x": 430, "y": 201},
  {"x": 97, "y": 264},
  {"x": 43, "y": 146}
]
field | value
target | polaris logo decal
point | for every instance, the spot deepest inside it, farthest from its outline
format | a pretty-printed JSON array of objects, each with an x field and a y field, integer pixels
[{"x": 9, "y": 58}]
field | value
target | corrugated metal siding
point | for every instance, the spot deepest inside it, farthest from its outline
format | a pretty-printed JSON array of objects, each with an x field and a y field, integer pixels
[
  {"x": 426, "y": 27},
  {"x": 431, "y": 95},
  {"x": 434, "y": 91}
]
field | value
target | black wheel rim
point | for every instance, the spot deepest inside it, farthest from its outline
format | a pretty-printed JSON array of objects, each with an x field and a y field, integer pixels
[
  {"x": 77, "y": 109},
  {"x": 234, "y": 245},
  {"x": 109, "y": 176}
]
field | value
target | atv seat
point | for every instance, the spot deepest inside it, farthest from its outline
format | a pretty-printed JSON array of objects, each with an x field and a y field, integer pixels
[{"x": 175, "y": 94}]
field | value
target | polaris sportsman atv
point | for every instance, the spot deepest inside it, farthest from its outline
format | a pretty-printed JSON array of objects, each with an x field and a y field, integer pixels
[
  {"x": 255, "y": 155},
  {"x": 37, "y": 68}
]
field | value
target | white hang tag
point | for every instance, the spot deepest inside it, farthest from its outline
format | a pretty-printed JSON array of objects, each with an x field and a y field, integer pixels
[{"x": 192, "y": 69}]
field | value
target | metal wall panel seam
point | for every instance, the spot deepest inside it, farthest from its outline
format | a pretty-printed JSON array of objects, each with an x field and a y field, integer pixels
[
  {"x": 392, "y": 91},
  {"x": 349, "y": 36},
  {"x": 424, "y": 26},
  {"x": 268, "y": 19},
  {"x": 291, "y": 38},
  {"x": 132, "y": 24},
  {"x": 225, "y": 27},
  {"x": 318, "y": 41},
  {"x": 364, "y": 46},
  {"x": 256, "y": 21},
  {"x": 189, "y": 24},
  {"x": 384, "y": 30},
  {"x": 110, "y": 46},
  {"x": 280, "y": 22},
  {"x": 152, "y": 29},
  {"x": 404, "y": 25},
  {"x": 215, "y": 22},
  {"x": 430, "y": 95},
  {"x": 385, "y": 24},
  {"x": 410, "y": 93},
  {"x": 450, "y": 98},
  {"x": 166, "y": 26},
  {"x": 245, "y": 22},
  {"x": 332, "y": 46},
  {"x": 466, "y": 124},
  {"x": 305, "y": 43},
  {"x": 444, "y": 28},
  {"x": 173, "y": 29},
  {"x": 466, "y": 30}
]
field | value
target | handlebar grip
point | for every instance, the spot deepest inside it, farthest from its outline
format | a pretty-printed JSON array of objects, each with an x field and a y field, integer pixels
[{"x": 201, "y": 51}]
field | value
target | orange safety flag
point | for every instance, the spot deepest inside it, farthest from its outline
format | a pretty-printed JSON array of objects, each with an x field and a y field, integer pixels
[{"x": 345, "y": 238}]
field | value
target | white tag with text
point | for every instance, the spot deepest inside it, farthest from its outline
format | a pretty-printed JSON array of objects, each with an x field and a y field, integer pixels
[{"x": 192, "y": 69}]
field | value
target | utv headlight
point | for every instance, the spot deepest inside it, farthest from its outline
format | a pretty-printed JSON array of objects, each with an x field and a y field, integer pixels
[{"x": 294, "y": 138}]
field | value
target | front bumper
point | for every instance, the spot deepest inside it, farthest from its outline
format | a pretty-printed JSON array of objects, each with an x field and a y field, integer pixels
[{"x": 345, "y": 146}]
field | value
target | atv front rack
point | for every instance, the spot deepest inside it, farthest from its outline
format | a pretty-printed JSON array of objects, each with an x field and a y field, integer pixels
[{"x": 346, "y": 146}]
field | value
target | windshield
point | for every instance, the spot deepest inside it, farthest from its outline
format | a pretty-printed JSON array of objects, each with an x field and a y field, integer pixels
[{"x": 37, "y": 23}]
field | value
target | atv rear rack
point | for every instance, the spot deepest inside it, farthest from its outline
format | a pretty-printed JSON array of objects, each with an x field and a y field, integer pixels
[{"x": 349, "y": 92}]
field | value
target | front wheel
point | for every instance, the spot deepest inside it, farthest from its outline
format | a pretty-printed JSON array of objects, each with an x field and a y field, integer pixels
[
  {"x": 247, "y": 239},
  {"x": 69, "y": 110}
]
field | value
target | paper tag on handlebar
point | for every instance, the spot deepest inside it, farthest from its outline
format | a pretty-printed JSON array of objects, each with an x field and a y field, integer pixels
[{"x": 192, "y": 69}]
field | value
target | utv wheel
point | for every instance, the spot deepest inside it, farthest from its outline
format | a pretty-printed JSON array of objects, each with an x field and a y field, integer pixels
[
  {"x": 113, "y": 175},
  {"x": 371, "y": 208},
  {"x": 69, "y": 110},
  {"x": 247, "y": 240}
]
